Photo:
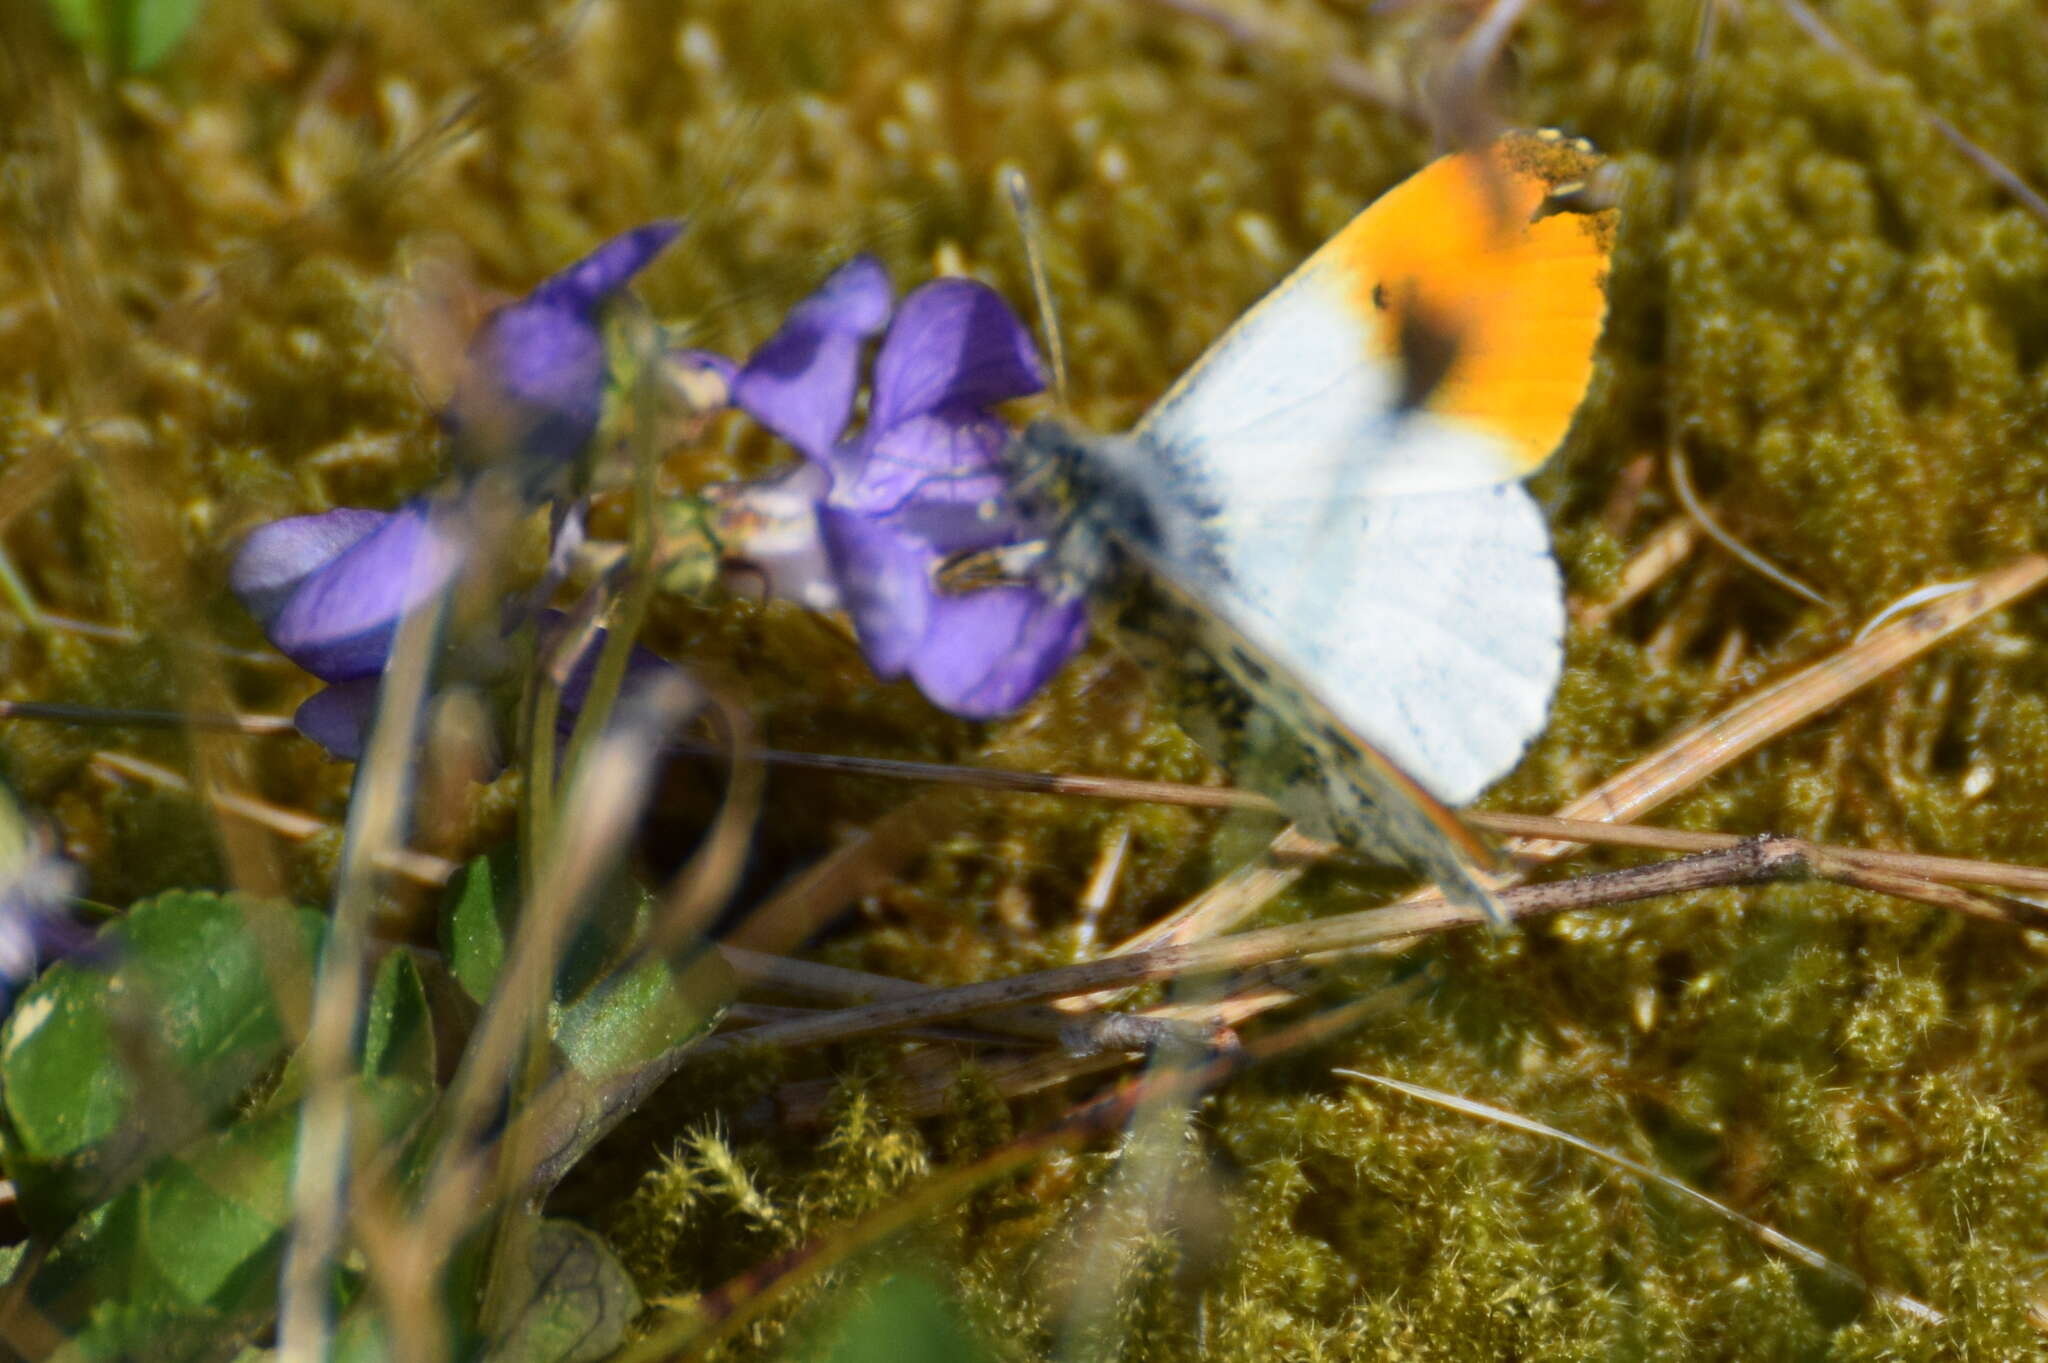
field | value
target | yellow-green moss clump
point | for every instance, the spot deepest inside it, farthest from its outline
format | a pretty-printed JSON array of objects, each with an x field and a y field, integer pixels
[{"x": 1839, "y": 321}]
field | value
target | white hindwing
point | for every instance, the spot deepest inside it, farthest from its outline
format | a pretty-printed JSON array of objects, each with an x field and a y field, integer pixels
[{"x": 1432, "y": 623}]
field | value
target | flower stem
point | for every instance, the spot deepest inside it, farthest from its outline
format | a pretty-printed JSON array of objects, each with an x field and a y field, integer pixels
[{"x": 376, "y": 826}]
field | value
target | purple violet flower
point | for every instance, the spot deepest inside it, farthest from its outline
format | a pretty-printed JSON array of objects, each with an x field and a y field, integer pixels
[
  {"x": 330, "y": 590},
  {"x": 36, "y": 885},
  {"x": 922, "y": 482},
  {"x": 533, "y": 378}
]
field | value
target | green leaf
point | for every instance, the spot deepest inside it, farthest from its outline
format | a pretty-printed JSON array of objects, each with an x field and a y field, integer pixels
[
  {"x": 633, "y": 1017},
  {"x": 481, "y": 913},
  {"x": 87, "y": 23},
  {"x": 155, "y": 27},
  {"x": 399, "y": 1039},
  {"x": 578, "y": 1300},
  {"x": 476, "y": 921},
  {"x": 187, "y": 998},
  {"x": 133, "y": 34},
  {"x": 182, "y": 1264},
  {"x": 905, "y": 1319}
]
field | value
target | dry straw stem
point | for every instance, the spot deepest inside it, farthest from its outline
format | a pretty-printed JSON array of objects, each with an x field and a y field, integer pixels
[{"x": 1776, "y": 1240}]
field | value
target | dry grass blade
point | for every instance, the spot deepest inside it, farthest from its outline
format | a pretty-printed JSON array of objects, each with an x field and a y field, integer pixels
[
  {"x": 808, "y": 902},
  {"x": 1750, "y": 723},
  {"x": 1681, "y": 483},
  {"x": 1817, "y": 29},
  {"x": 30, "y": 477},
  {"x": 1235, "y": 898},
  {"x": 1343, "y": 74},
  {"x": 1669, "y": 545},
  {"x": 707, "y": 881},
  {"x": 1776, "y": 1240},
  {"x": 423, "y": 868}
]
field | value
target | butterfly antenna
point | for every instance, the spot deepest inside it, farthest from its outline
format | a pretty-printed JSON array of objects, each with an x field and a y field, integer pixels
[{"x": 1019, "y": 190}]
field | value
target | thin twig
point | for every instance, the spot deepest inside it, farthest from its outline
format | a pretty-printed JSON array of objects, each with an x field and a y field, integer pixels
[
  {"x": 922, "y": 1086},
  {"x": 1756, "y": 861}
]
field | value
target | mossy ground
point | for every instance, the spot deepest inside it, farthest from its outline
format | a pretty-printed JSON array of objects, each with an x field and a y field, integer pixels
[{"x": 1841, "y": 322}]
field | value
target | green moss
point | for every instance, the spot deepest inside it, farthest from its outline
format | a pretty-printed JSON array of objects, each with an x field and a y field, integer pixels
[{"x": 1842, "y": 323}]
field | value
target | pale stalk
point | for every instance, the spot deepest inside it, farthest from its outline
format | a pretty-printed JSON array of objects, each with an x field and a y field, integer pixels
[{"x": 377, "y": 812}]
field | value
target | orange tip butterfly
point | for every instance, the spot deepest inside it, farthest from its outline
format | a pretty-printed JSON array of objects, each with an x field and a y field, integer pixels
[{"x": 1318, "y": 540}]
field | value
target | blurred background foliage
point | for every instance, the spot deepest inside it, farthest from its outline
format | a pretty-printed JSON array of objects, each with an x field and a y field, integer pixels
[{"x": 1840, "y": 322}]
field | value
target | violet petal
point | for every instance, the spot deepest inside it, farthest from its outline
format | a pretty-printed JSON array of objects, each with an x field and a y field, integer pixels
[
  {"x": 703, "y": 378},
  {"x": 768, "y": 528},
  {"x": 340, "y": 622},
  {"x": 954, "y": 342},
  {"x": 960, "y": 527},
  {"x": 36, "y": 926},
  {"x": 987, "y": 651},
  {"x": 277, "y": 558},
  {"x": 800, "y": 383},
  {"x": 885, "y": 583},
  {"x": 533, "y": 376},
  {"x": 953, "y": 455},
  {"x": 597, "y": 276},
  {"x": 337, "y": 717}
]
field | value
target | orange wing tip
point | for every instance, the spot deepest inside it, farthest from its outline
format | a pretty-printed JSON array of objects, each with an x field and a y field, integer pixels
[{"x": 1503, "y": 253}]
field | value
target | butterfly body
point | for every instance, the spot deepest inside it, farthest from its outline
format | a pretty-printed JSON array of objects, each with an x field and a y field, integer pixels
[{"x": 1316, "y": 540}]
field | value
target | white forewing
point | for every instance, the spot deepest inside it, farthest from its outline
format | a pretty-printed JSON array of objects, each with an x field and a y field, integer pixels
[
  {"x": 1433, "y": 623},
  {"x": 1283, "y": 388},
  {"x": 1294, "y": 397}
]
